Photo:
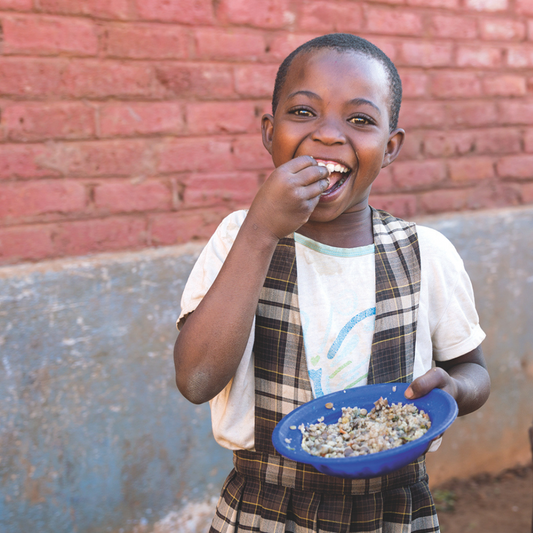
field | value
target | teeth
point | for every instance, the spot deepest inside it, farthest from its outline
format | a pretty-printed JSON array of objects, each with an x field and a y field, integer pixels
[
  {"x": 330, "y": 167},
  {"x": 320, "y": 164}
]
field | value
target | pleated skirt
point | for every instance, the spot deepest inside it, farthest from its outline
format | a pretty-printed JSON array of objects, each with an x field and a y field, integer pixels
[{"x": 270, "y": 494}]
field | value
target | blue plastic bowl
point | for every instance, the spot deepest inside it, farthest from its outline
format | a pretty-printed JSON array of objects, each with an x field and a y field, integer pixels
[{"x": 440, "y": 406}]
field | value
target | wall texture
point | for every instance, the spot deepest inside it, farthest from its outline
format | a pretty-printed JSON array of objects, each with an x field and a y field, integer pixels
[{"x": 128, "y": 124}]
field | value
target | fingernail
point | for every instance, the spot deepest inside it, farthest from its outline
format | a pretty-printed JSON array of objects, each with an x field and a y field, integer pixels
[{"x": 409, "y": 392}]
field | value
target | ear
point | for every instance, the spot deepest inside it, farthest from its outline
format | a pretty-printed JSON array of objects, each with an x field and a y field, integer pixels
[
  {"x": 394, "y": 145},
  {"x": 267, "y": 130}
]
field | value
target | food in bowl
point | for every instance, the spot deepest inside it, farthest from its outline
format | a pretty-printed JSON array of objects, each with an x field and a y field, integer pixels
[{"x": 359, "y": 432}]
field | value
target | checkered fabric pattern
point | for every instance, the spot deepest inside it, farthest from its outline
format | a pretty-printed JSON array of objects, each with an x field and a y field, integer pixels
[{"x": 268, "y": 493}]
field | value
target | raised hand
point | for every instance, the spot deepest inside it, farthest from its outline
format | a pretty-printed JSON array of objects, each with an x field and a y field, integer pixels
[{"x": 289, "y": 196}]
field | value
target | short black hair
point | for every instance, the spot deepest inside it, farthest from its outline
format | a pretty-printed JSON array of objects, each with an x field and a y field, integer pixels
[{"x": 344, "y": 42}]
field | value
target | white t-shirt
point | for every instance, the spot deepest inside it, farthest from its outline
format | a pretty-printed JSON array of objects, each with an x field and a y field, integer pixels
[{"x": 336, "y": 292}]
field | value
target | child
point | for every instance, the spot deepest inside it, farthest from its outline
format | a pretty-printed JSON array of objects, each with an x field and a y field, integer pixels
[{"x": 376, "y": 299}]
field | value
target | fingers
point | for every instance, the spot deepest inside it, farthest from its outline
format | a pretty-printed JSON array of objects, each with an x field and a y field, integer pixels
[{"x": 432, "y": 379}]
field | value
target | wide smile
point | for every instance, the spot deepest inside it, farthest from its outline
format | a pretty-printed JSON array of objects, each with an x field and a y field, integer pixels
[{"x": 338, "y": 174}]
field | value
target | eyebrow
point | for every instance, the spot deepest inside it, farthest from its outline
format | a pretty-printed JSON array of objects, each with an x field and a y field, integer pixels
[
  {"x": 354, "y": 101},
  {"x": 360, "y": 101}
]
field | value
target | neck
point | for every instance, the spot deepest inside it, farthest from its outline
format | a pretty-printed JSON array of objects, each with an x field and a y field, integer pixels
[{"x": 349, "y": 230}]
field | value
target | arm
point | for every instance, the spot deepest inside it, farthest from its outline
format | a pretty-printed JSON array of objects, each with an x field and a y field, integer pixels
[
  {"x": 465, "y": 378},
  {"x": 212, "y": 341}
]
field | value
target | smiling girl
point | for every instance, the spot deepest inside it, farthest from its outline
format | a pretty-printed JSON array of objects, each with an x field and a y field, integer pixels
[{"x": 311, "y": 291}]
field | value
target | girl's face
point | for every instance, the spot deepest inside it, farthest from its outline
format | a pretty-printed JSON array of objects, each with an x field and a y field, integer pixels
[{"x": 334, "y": 106}]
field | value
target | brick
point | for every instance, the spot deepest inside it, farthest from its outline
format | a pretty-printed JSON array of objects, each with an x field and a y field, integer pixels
[
  {"x": 135, "y": 118},
  {"x": 25, "y": 243},
  {"x": 403, "y": 206},
  {"x": 184, "y": 11},
  {"x": 527, "y": 196},
  {"x": 416, "y": 114},
  {"x": 499, "y": 141},
  {"x": 516, "y": 112},
  {"x": 490, "y": 194},
  {"x": 24, "y": 161},
  {"x": 271, "y": 14},
  {"x": 220, "y": 44},
  {"x": 249, "y": 153},
  {"x": 414, "y": 84},
  {"x": 229, "y": 190},
  {"x": 426, "y": 54},
  {"x": 41, "y": 121},
  {"x": 255, "y": 80},
  {"x": 281, "y": 45},
  {"x": 520, "y": 56},
  {"x": 447, "y": 4},
  {"x": 145, "y": 41},
  {"x": 123, "y": 196},
  {"x": 515, "y": 166},
  {"x": 30, "y": 77},
  {"x": 44, "y": 35},
  {"x": 418, "y": 174},
  {"x": 444, "y": 200},
  {"x": 506, "y": 85},
  {"x": 473, "y": 113},
  {"x": 100, "y": 79},
  {"x": 106, "y": 9},
  {"x": 455, "y": 84},
  {"x": 17, "y": 5},
  {"x": 177, "y": 228},
  {"x": 524, "y": 7},
  {"x": 99, "y": 158},
  {"x": 484, "y": 57},
  {"x": 325, "y": 16},
  {"x": 393, "y": 22},
  {"x": 486, "y": 141},
  {"x": 194, "y": 155},
  {"x": 392, "y": 2},
  {"x": 453, "y": 27},
  {"x": 448, "y": 143},
  {"x": 81, "y": 237},
  {"x": 196, "y": 80},
  {"x": 487, "y": 5},
  {"x": 225, "y": 117},
  {"x": 528, "y": 140},
  {"x": 502, "y": 29},
  {"x": 471, "y": 169},
  {"x": 41, "y": 197}
]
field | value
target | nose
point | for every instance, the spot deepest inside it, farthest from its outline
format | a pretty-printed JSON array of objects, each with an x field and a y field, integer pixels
[{"x": 329, "y": 131}]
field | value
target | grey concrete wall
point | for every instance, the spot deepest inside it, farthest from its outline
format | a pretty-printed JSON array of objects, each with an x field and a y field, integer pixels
[
  {"x": 497, "y": 248},
  {"x": 95, "y": 437}
]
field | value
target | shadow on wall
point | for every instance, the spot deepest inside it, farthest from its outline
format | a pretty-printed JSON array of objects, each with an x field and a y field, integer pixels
[{"x": 95, "y": 436}]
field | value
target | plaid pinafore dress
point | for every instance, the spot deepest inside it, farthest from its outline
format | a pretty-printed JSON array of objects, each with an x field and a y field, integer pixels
[{"x": 266, "y": 493}]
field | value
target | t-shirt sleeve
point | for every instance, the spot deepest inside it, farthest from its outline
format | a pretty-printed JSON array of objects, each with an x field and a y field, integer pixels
[
  {"x": 454, "y": 322},
  {"x": 233, "y": 409},
  {"x": 209, "y": 263}
]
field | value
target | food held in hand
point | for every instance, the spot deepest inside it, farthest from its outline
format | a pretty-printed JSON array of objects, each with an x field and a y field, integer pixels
[{"x": 359, "y": 432}]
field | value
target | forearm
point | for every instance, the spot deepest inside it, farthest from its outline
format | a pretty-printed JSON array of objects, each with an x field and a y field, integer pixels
[
  {"x": 472, "y": 384},
  {"x": 213, "y": 339}
]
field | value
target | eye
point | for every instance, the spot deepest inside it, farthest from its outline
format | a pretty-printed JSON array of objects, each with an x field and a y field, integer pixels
[
  {"x": 301, "y": 112},
  {"x": 360, "y": 120}
]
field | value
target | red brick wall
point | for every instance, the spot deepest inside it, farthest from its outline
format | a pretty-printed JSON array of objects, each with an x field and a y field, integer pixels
[{"x": 134, "y": 123}]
